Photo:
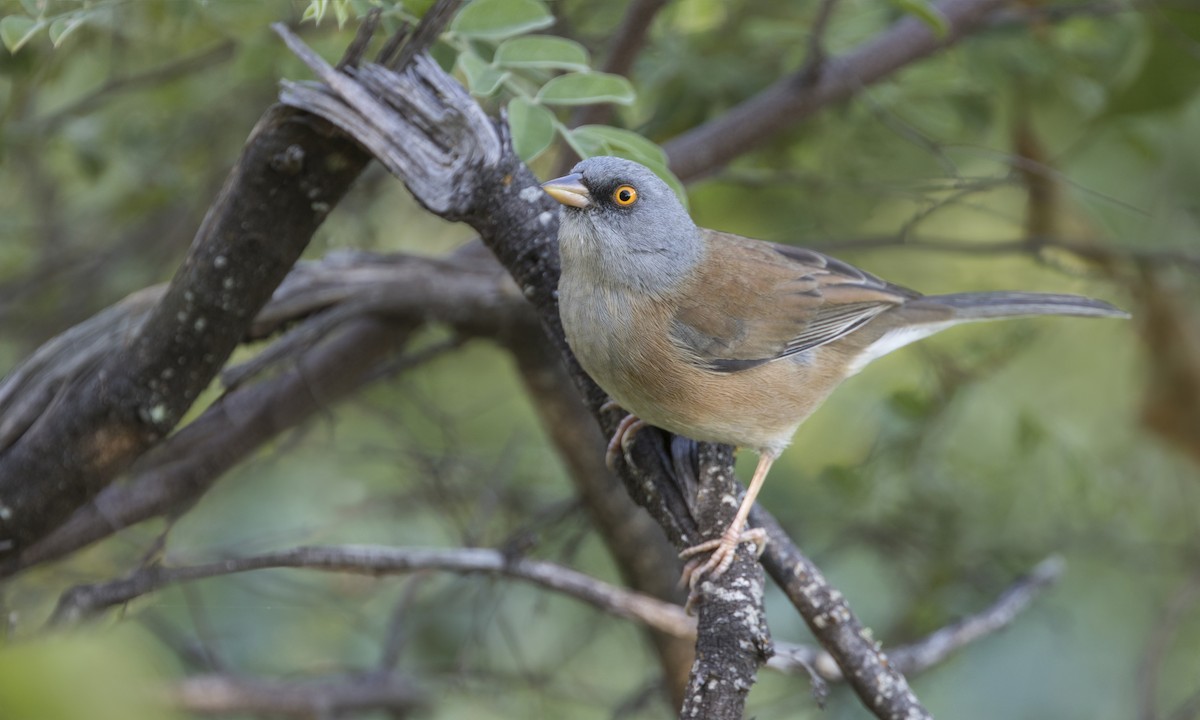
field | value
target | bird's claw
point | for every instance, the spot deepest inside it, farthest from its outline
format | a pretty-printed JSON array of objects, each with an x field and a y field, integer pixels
[
  {"x": 723, "y": 550},
  {"x": 619, "y": 443}
]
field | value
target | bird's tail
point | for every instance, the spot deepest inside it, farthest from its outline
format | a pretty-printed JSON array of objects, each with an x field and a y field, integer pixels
[{"x": 997, "y": 305}]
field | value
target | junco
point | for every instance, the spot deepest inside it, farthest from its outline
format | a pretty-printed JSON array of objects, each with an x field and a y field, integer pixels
[{"x": 725, "y": 339}]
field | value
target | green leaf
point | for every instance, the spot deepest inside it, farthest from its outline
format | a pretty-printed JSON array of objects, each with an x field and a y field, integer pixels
[
  {"x": 64, "y": 26},
  {"x": 341, "y": 10},
  {"x": 623, "y": 142},
  {"x": 16, "y": 30},
  {"x": 532, "y": 128},
  {"x": 499, "y": 19},
  {"x": 586, "y": 89},
  {"x": 482, "y": 78},
  {"x": 542, "y": 51},
  {"x": 927, "y": 13},
  {"x": 591, "y": 140},
  {"x": 315, "y": 11}
]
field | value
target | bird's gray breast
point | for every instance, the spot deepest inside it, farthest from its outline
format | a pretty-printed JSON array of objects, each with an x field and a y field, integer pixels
[{"x": 596, "y": 322}]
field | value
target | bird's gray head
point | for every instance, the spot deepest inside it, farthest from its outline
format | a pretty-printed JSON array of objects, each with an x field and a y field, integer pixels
[{"x": 622, "y": 225}]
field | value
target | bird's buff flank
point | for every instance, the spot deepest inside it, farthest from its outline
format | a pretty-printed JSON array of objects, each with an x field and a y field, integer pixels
[{"x": 725, "y": 339}]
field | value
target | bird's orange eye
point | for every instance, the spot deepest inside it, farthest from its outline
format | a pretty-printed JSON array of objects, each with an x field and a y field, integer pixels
[{"x": 625, "y": 195}]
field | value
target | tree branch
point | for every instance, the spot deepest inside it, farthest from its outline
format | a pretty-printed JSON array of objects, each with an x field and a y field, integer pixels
[
  {"x": 624, "y": 46},
  {"x": 704, "y": 149},
  {"x": 936, "y": 647},
  {"x": 99, "y": 423},
  {"x": 376, "y": 301},
  {"x": 84, "y": 600},
  {"x": 878, "y": 683}
]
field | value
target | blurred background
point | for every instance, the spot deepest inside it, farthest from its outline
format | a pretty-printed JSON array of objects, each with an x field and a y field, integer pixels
[{"x": 1055, "y": 150}]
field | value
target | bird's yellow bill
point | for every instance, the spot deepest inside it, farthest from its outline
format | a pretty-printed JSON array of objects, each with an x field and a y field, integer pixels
[{"x": 568, "y": 190}]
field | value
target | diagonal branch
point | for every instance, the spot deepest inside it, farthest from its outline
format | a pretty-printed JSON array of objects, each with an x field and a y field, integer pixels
[
  {"x": 880, "y": 686},
  {"x": 100, "y": 422},
  {"x": 706, "y": 148}
]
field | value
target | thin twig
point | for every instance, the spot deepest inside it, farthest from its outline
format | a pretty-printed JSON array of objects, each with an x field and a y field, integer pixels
[
  {"x": 84, "y": 600},
  {"x": 814, "y": 61}
]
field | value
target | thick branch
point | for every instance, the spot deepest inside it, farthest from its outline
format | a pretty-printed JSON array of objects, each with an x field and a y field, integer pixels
[
  {"x": 710, "y": 146},
  {"x": 99, "y": 423},
  {"x": 373, "y": 302}
]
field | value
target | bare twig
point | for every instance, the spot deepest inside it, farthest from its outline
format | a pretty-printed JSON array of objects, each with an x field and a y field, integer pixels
[
  {"x": 84, "y": 600},
  {"x": 936, "y": 647},
  {"x": 814, "y": 61}
]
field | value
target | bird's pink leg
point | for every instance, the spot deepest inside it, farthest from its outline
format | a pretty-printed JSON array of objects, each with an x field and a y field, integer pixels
[
  {"x": 626, "y": 429},
  {"x": 724, "y": 547}
]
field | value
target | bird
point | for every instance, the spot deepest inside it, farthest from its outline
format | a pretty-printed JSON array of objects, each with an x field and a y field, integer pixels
[{"x": 727, "y": 339}]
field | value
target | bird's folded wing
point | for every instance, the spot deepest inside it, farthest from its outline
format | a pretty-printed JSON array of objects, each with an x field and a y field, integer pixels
[{"x": 780, "y": 301}]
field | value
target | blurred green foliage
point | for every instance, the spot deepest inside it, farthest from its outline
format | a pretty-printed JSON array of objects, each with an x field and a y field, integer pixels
[{"x": 923, "y": 487}]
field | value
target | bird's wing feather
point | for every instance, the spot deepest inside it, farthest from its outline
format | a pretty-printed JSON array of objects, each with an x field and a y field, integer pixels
[{"x": 786, "y": 300}]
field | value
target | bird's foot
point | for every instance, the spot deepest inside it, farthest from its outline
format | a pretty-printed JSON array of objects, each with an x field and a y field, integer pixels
[
  {"x": 619, "y": 443},
  {"x": 722, "y": 550}
]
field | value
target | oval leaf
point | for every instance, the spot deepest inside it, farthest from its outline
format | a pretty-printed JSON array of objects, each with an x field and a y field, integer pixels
[
  {"x": 623, "y": 142},
  {"x": 532, "y": 128},
  {"x": 482, "y": 78},
  {"x": 592, "y": 140},
  {"x": 498, "y": 19},
  {"x": 542, "y": 51},
  {"x": 586, "y": 89},
  {"x": 16, "y": 30},
  {"x": 64, "y": 26}
]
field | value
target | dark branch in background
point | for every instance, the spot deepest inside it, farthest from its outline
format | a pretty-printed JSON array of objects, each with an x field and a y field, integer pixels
[
  {"x": 623, "y": 48},
  {"x": 704, "y": 149}
]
